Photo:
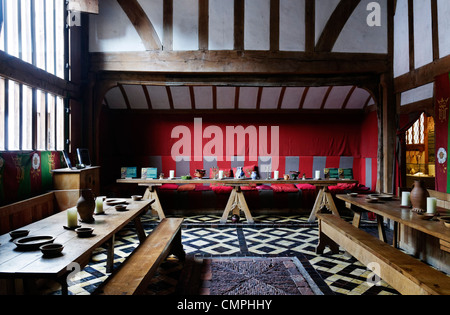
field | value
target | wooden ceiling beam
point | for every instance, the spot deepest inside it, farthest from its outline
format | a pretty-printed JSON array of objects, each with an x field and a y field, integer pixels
[
  {"x": 335, "y": 24},
  {"x": 230, "y": 61},
  {"x": 367, "y": 81},
  {"x": 141, "y": 23}
]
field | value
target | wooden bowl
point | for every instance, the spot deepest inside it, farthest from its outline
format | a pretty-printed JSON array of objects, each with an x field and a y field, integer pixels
[
  {"x": 136, "y": 197},
  {"x": 51, "y": 250},
  {"x": 426, "y": 216},
  {"x": 200, "y": 173},
  {"x": 446, "y": 221},
  {"x": 121, "y": 208},
  {"x": 84, "y": 231},
  {"x": 18, "y": 233}
]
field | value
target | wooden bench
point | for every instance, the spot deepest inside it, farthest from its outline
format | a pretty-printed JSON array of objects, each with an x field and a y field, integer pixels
[
  {"x": 404, "y": 273},
  {"x": 27, "y": 211},
  {"x": 134, "y": 275}
]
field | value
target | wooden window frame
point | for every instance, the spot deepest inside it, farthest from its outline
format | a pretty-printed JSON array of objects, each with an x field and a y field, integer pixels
[{"x": 21, "y": 138}]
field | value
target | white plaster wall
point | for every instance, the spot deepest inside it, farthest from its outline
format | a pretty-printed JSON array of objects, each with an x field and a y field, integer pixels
[
  {"x": 292, "y": 97},
  {"x": 423, "y": 42},
  {"x": 111, "y": 30},
  {"x": 444, "y": 27},
  {"x": 270, "y": 97},
  {"x": 257, "y": 25},
  {"x": 181, "y": 97},
  {"x": 324, "y": 9},
  {"x": 203, "y": 97},
  {"x": 226, "y": 97},
  {"x": 154, "y": 11},
  {"x": 401, "y": 40},
  {"x": 358, "y": 36},
  {"x": 292, "y": 25},
  {"x": 185, "y": 24},
  {"x": 248, "y": 97},
  {"x": 418, "y": 94},
  {"x": 136, "y": 96},
  {"x": 115, "y": 99},
  {"x": 221, "y": 25}
]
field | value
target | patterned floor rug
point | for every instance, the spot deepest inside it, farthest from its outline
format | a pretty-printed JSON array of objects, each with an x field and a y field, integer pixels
[{"x": 251, "y": 276}]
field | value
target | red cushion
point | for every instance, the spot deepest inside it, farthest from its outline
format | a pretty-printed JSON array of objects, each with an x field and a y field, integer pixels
[
  {"x": 187, "y": 187},
  {"x": 251, "y": 187},
  {"x": 215, "y": 171},
  {"x": 168, "y": 187},
  {"x": 221, "y": 189},
  {"x": 284, "y": 188},
  {"x": 202, "y": 187},
  {"x": 347, "y": 186},
  {"x": 264, "y": 187},
  {"x": 306, "y": 187}
]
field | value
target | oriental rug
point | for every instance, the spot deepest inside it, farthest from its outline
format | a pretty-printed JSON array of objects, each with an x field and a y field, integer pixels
[{"x": 252, "y": 276}]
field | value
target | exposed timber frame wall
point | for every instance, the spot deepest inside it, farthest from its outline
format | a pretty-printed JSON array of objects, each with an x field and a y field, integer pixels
[
  {"x": 316, "y": 65},
  {"x": 417, "y": 82}
]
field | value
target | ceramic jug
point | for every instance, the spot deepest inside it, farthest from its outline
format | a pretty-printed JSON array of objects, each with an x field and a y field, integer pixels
[
  {"x": 86, "y": 206},
  {"x": 254, "y": 175},
  {"x": 240, "y": 173},
  {"x": 419, "y": 196}
]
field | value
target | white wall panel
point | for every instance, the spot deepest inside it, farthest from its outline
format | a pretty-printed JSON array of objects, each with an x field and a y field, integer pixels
[
  {"x": 357, "y": 36},
  {"x": 423, "y": 41},
  {"x": 185, "y": 24},
  {"x": 257, "y": 25},
  {"x": 401, "y": 40},
  {"x": 292, "y": 25},
  {"x": 203, "y": 97},
  {"x": 418, "y": 94},
  {"x": 112, "y": 31},
  {"x": 270, "y": 97},
  {"x": 444, "y": 27},
  {"x": 158, "y": 97},
  {"x": 154, "y": 11},
  {"x": 292, "y": 97},
  {"x": 221, "y": 25},
  {"x": 324, "y": 9},
  {"x": 226, "y": 96},
  {"x": 181, "y": 97},
  {"x": 136, "y": 96}
]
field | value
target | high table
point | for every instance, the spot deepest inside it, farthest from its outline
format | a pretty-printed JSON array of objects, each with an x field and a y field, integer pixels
[
  {"x": 19, "y": 264},
  {"x": 237, "y": 199},
  {"x": 392, "y": 210}
]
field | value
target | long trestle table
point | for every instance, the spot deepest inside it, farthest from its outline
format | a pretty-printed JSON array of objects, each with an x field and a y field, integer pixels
[
  {"x": 20, "y": 264},
  {"x": 393, "y": 210},
  {"x": 237, "y": 199}
]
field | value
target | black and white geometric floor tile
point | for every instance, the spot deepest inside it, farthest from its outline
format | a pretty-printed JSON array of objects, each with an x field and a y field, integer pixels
[{"x": 202, "y": 236}]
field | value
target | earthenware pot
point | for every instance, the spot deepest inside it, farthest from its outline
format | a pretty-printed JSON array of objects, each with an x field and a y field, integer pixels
[
  {"x": 419, "y": 196},
  {"x": 86, "y": 205}
]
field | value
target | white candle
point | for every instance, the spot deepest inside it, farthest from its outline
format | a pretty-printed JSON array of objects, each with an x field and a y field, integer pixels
[
  {"x": 172, "y": 174},
  {"x": 406, "y": 200},
  {"x": 431, "y": 205},
  {"x": 275, "y": 174},
  {"x": 99, "y": 205},
  {"x": 220, "y": 174},
  {"x": 317, "y": 175},
  {"x": 72, "y": 218}
]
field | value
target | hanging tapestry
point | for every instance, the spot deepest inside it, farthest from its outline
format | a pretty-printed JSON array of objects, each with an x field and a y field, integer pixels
[{"x": 442, "y": 96}]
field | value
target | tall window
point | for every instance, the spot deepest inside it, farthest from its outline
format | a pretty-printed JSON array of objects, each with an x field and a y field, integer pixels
[{"x": 31, "y": 118}]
